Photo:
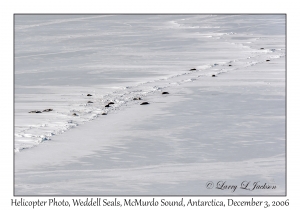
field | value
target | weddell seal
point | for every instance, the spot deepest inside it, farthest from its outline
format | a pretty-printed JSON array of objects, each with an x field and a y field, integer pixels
[
  {"x": 213, "y": 75},
  {"x": 90, "y": 102},
  {"x": 74, "y": 114},
  {"x": 164, "y": 93},
  {"x": 107, "y": 105},
  {"x": 193, "y": 69},
  {"x": 89, "y": 95},
  {"x": 111, "y": 103},
  {"x": 144, "y": 103},
  {"x": 267, "y": 60},
  {"x": 35, "y": 111},
  {"x": 104, "y": 114},
  {"x": 48, "y": 110},
  {"x": 137, "y": 98}
]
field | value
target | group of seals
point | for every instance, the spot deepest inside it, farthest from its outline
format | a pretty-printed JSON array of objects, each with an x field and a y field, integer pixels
[
  {"x": 193, "y": 69},
  {"x": 263, "y": 49},
  {"x": 110, "y": 103},
  {"x": 146, "y": 103},
  {"x": 106, "y": 106},
  {"x": 46, "y": 110}
]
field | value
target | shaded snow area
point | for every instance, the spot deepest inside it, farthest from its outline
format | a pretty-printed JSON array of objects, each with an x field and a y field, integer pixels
[{"x": 221, "y": 125}]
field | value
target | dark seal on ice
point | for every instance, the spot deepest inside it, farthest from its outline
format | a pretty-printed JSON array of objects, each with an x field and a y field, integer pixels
[
  {"x": 104, "y": 114},
  {"x": 267, "y": 60},
  {"x": 107, "y": 105},
  {"x": 144, "y": 103},
  {"x": 74, "y": 114},
  {"x": 229, "y": 65},
  {"x": 48, "y": 110},
  {"x": 193, "y": 69},
  {"x": 164, "y": 93},
  {"x": 137, "y": 98},
  {"x": 111, "y": 103},
  {"x": 89, "y": 95},
  {"x": 90, "y": 102},
  {"x": 262, "y": 48},
  {"x": 213, "y": 75},
  {"x": 35, "y": 111}
]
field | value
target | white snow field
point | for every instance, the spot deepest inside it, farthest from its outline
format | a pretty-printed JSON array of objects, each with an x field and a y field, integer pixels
[{"x": 226, "y": 130}]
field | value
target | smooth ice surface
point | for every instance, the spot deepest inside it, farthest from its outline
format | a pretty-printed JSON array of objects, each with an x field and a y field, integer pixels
[{"x": 225, "y": 128}]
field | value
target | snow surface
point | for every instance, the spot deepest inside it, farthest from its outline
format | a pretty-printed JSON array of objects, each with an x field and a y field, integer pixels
[{"x": 225, "y": 128}]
